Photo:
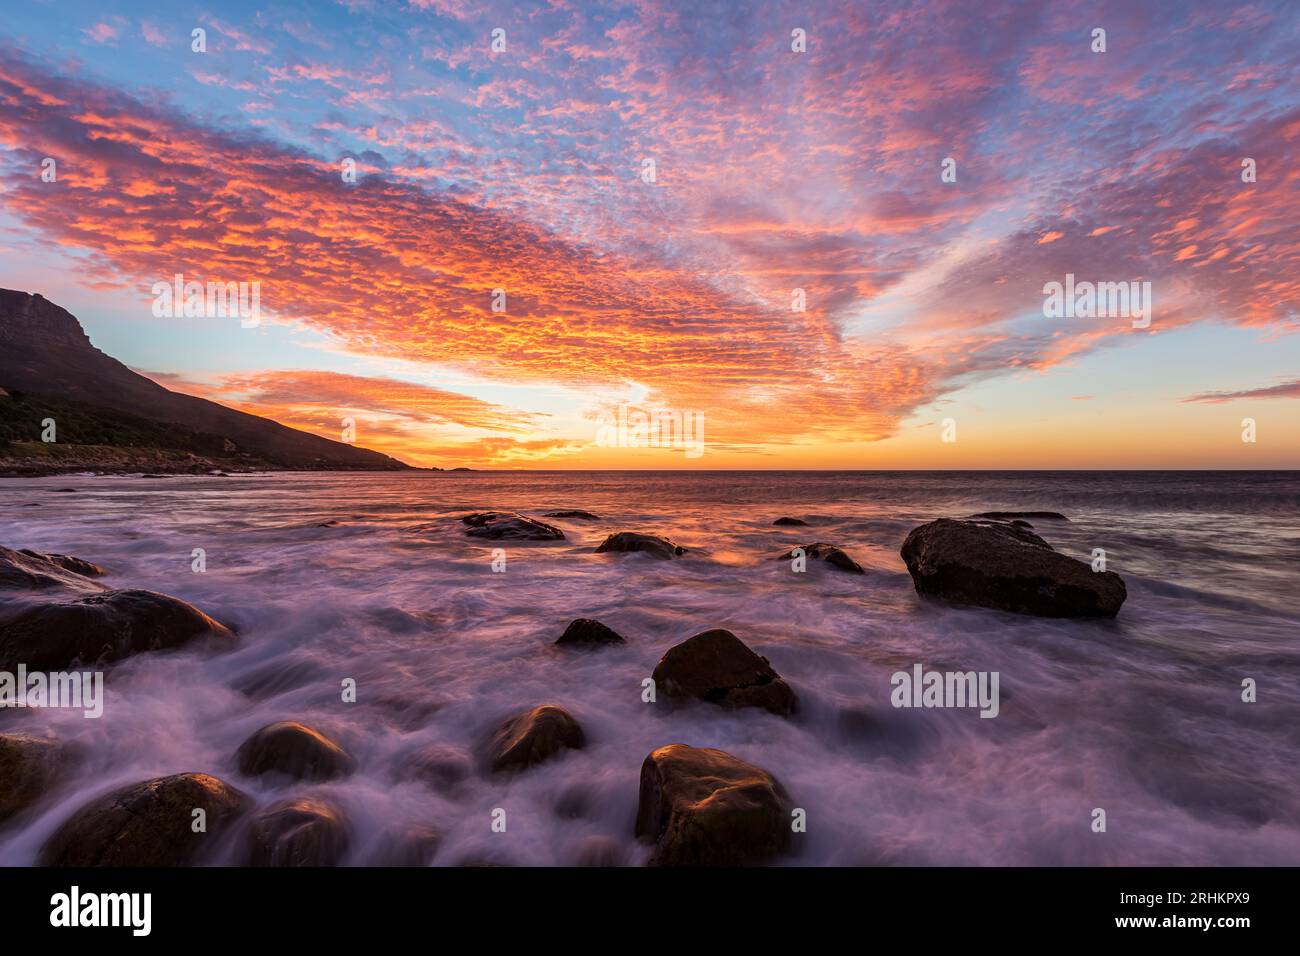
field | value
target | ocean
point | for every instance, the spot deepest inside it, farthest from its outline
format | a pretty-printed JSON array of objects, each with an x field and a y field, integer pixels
[{"x": 1141, "y": 716}]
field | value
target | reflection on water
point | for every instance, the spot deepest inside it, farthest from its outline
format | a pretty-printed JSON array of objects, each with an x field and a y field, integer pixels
[{"x": 1141, "y": 716}]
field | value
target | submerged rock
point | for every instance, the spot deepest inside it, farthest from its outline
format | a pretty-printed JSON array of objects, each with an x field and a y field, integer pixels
[
  {"x": 498, "y": 525},
  {"x": 586, "y": 631},
  {"x": 29, "y": 767},
  {"x": 100, "y": 628},
  {"x": 601, "y": 851},
  {"x": 147, "y": 824},
  {"x": 531, "y": 737},
  {"x": 1009, "y": 515},
  {"x": 653, "y": 544},
  {"x": 68, "y": 563},
  {"x": 295, "y": 749},
  {"x": 704, "y": 807},
  {"x": 791, "y": 521},
  {"x": 302, "y": 831},
  {"x": 411, "y": 845},
  {"x": 1009, "y": 568},
  {"x": 573, "y": 515},
  {"x": 438, "y": 766},
  {"x": 828, "y": 553},
  {"x": 716, "y": 666}
]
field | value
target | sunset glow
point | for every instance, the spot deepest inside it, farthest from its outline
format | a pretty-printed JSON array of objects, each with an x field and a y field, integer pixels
[{"x": 774, "y": 171}]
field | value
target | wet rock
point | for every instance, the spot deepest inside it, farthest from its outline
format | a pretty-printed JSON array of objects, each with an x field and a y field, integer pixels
[
  {"x": 531, "y": 737},
  {"x": 32, "y": 571},
  {"x": 828, "y": 553},
  {"x": 29, "y": 767},
  {"x": 68, "y": 563},
  {"x": 100, "y": 628},
  {"x": 147, "y": 824},
  {"x": 303, "y": 831},
  {"x": 653, "y": 544},
  {"x": 1009, "y": 568},
  {"x": 410, "y": 845},
  {"x": 791, "y": 521},
  {"x": 294, "y": 749},
  {"x": 716, "y": 666},
  {"x": 1009, "y": 515},
  {"x": 704, "y": 807},
  {"x": 575, "y": 802},
  {"x": 507, "y": 525},
  {"x": 588, "y": 632},
  {"x": 599, "y": 851},
  {"x": 572, "y": 515},
  {"x": 440, "y": 767}
]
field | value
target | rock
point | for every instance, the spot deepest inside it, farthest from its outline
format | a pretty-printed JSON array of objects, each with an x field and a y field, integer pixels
[
  {"x": 295, "y": 749},
  {"x": 716, "y": 666},
  {"x": 828, "y": 553},
  {"x": 599, "y": 851},
  {"x": 1008, "y": 568},
  {"x": 410, "y": 845},
  {"x": 303, "y": 831},
  {"x": 704, "y": 807},
  {"x": 790, "y": 521},
  {"x": 440, "y": 767},
  {"x": 1008, "y": 515},
  {"x": 29, "y": 767},
  {"x": 653, "y": 544},
  {"x": 147, "y": 824},
  {"x": 531, "y": 737},
  {"x": 586, "y": 631},
  {"x": 100, "y": 628},
  {"x": 573, "y": 515},
  {"x": 32, "y": 571},
  {"x": 68, "y": 563},
  {"x": 508, "y": 525}
]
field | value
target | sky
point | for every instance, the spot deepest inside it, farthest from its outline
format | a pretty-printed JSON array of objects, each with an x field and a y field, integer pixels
[{"x": 818, "y": 235}]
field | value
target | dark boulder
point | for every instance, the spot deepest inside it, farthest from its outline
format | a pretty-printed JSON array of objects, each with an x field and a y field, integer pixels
[
  {"x": 32, "y": 571},
  {"x": 68, "y": 563},
  {"x": 1009, "y": 568},
  {"x": 572, "y": 515},
  {"x": 653, "y": 544},
  {"x": 717, "y": 667},
  {"x": 704, "y": 807},
  {"x": 794, "y": 522},
  {"x": 507, "y": 525},
  {"x": 832, "y": 555},
  {"x": 302, "y": 831},
  {"x": 586, "y": 631},
  {"x": 147, "y": 824},
  {"x": 531, "y": 737},
  {"x": 29, "y": 767},
  {"x": 100, "y": 628},
  {"x": 296, "y": 750}
]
